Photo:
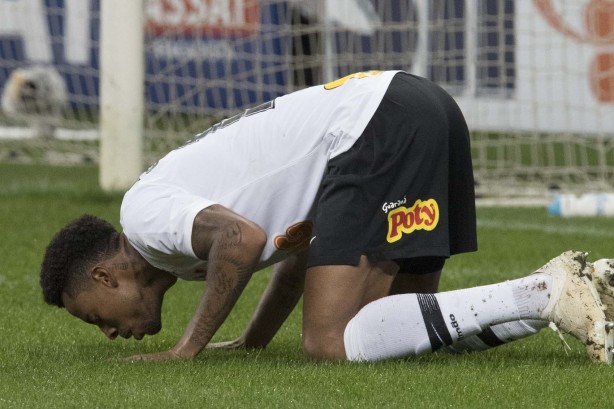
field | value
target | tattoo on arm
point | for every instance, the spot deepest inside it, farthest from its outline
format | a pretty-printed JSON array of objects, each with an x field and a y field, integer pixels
[
  {"x": 231, "y": 237},
  {"x": 224, "y": 285},
  {"x": 231, "y": 263}
]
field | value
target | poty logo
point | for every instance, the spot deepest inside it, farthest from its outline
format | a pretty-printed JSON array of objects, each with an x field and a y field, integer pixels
[
  {"x": 423, "y": 215},
  {"x": 598, "y": 29}
]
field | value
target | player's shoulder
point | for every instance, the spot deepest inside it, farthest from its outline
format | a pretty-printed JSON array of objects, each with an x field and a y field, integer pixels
[{"x": 141, "y": 201}]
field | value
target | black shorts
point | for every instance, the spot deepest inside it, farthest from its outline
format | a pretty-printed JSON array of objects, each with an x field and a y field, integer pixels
[{"x": 405, "y": 190}]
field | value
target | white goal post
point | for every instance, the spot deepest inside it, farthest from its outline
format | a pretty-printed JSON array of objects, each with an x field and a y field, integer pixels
[{"x": 122, "y": 100}]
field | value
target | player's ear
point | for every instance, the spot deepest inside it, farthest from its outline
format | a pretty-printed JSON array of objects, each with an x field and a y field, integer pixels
[{"x": 102, "y": 275}]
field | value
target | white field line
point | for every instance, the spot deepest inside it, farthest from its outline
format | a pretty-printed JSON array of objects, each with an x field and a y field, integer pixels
[
  {"x": 520, "y": 226},
  {"x": 37, "y": 186},
  {"x": 59, "y": 133}
]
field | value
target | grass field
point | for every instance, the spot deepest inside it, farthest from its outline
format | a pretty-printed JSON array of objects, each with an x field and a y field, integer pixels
[{"x": 50, "y": 360}]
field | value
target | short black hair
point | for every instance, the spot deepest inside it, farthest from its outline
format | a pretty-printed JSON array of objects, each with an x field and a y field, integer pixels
[{"x": 71, "y": 253}]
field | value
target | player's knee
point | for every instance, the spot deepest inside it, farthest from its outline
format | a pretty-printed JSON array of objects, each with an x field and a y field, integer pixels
[{"x": 327, "y": 347}]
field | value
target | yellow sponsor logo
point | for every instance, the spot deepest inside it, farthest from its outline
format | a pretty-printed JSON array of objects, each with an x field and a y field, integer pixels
[
  {"x": 358, "y": 75},
  {"x": 423, "y": 215}
]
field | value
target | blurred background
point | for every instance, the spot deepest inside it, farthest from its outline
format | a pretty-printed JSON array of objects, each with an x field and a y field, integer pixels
[{"x": 535, "y": 78}]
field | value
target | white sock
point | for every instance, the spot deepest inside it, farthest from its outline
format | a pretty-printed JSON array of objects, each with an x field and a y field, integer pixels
[
  {"x": 500, "y": 334},
  {"x": 414, "y": 324},
  {"x": 497, "y": 335}
]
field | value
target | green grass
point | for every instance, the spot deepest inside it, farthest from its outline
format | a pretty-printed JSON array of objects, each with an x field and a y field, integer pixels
[
  {"x": 543, "y": 160},
  {"x": 50, "y": 360}
]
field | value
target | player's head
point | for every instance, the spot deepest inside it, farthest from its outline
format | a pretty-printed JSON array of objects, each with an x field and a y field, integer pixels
[
  {"x": 72, "y": 253},
  {"x": 87, "y": 271}
]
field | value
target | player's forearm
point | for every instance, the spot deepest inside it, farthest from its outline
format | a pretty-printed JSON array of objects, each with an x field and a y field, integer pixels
[
  {"x": 279, "y": 299},
  {"x": 231, "y": 262},
  {"x": 218, "y": 300}
]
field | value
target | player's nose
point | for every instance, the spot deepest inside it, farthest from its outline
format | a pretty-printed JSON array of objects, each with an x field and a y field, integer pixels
[{"x": 110, "y": 332}]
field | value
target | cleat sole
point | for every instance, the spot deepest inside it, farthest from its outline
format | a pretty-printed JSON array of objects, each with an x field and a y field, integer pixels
[{"x": 609, "y": 343}]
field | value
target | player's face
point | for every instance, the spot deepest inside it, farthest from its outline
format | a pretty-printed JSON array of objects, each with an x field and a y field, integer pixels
[{"x": 125, "y": 310}]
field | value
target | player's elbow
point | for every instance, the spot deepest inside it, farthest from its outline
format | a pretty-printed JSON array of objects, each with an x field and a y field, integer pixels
[
  {"x": 245, "y": 248},
  {"x": 253, "y": 238},
  {"x": 219, "y": 231}
]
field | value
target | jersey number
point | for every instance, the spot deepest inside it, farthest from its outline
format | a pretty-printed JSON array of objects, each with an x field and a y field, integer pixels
[
  {"x": 229, "y": 121},
  {"x": 223, "y": 124}
]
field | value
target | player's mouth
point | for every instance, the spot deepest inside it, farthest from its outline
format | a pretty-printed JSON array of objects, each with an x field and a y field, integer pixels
[
  {"x": 126, "y": 335},
  {"x": 153, "y": 328}
]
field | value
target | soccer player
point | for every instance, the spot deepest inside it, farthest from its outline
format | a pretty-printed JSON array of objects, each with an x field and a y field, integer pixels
[{"x": 353, "y": 191}]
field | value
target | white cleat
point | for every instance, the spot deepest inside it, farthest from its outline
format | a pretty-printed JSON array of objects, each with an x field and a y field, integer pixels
[
  {"x": 602, "y": 275},
  {"x": 575, "y": 306}
]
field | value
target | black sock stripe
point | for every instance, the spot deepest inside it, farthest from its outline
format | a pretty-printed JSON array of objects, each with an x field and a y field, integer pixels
[
  {"x": 436, "y": 327},
  {"x": 489, "y": 338}
]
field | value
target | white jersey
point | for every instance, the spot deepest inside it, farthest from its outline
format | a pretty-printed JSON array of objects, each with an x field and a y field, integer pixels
[{"x": 266, "y": 165}]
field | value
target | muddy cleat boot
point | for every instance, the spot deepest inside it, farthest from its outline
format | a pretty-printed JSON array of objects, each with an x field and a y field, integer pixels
[
  {"x": 575, "y": 306},
  {"x": 603, "y": 278}
]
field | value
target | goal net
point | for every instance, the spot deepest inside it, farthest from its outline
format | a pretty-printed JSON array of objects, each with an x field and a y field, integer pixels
[{"x": 535, "y": 78}]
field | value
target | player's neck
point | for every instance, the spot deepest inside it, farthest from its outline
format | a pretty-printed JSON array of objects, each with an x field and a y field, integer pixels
[{"x": 144, "y": 272}]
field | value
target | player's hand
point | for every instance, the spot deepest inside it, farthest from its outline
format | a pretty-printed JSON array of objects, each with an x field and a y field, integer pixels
[
  {"x": 238, "y": 343},
  {"x": 170, "y": 355}
]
